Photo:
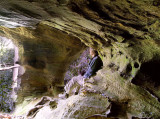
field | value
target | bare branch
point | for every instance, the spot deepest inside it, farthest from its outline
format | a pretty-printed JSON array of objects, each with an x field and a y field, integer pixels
[{"x": 11, "y": 67}]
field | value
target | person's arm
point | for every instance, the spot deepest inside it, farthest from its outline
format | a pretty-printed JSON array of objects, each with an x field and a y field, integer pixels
[{"x": 91, "y": 69}]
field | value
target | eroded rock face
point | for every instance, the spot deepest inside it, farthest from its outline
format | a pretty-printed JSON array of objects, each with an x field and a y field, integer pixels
[
  {"x": 76, "y": 107},
  {"x": 45, "y": 58},
  {"x": 126, "y": 34}
]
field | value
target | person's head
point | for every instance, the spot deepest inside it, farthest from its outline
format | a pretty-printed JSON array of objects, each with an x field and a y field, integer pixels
[{"x": 93, "y": 52}]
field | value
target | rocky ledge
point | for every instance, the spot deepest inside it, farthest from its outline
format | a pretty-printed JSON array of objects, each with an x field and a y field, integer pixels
[{"x": 51, "y": 34}]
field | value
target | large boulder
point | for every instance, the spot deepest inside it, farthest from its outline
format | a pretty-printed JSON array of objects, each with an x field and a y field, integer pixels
[{"x": 76, "y": 107}]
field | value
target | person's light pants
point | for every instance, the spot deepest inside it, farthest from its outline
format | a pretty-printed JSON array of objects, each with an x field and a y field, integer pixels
[{"x": 76, "y": 82}]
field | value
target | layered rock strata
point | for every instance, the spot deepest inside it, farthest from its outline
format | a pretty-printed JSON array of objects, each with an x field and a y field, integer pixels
[{"x": 126, "y": 34}]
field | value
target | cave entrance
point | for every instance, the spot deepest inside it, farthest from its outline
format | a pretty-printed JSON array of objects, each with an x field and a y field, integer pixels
[
  {"x": 80, "y": 64},
  {"x": 149, "y": 77},
  {"x": 8, "y": 73}
]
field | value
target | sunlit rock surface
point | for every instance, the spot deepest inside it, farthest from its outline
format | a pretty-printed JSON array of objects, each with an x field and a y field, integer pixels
[
  {"x": 54, "y": 33},
  {"x": 76, "y": 107}
]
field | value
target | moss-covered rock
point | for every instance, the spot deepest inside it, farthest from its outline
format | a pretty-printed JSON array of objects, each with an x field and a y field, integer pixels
[{"x": 126, "y": 34}]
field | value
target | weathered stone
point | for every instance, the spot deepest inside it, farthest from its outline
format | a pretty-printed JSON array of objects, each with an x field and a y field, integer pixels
[
  {"x": 76, "y": 107},
  {"x": 126, "y": 34}
]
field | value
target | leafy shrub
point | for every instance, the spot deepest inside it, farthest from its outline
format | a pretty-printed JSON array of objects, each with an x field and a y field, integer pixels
[
  {"x": 6, "y": 103},
  {"x": 6, "y": 59}
]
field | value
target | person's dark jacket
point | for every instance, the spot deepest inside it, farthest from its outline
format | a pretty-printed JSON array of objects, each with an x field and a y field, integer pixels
[{"x": 94, "y": 65}]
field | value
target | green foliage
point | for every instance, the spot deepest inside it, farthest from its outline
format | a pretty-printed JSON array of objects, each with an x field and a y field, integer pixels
[
  {"x": 6, "y": 54},
  {"x": 5, "y": 91},
  {"x": 6, "y": 59}
]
